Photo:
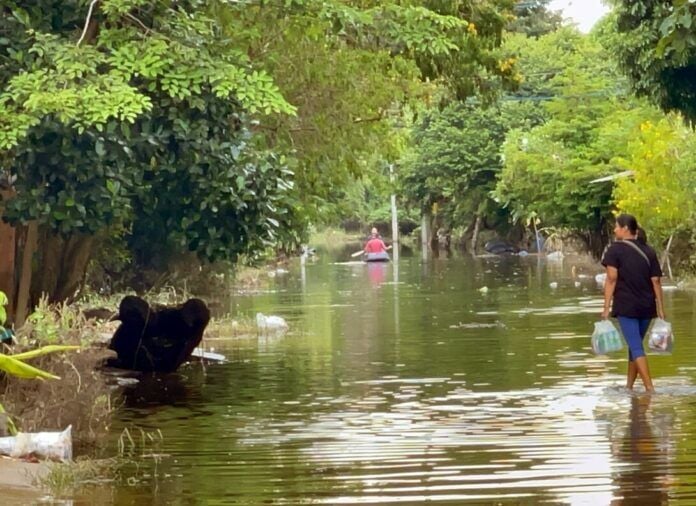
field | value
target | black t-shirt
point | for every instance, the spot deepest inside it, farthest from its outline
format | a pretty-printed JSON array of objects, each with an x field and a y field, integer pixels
[{"x": 634, "y": 296}]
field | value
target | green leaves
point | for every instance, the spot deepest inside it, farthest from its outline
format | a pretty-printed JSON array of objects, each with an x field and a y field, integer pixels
[
  {"x": 662, "y": 191},
  {"x": 548, "y": 168},
  {"x": 19, "y": 369},
  {"x": 45, "y": 350},
  {"x": 455, "y": 160},
  {"x": 3, "y": 302},
  {"x": 14, "y": 365},
  {"x": 116, "y": 75},
  {"x": 656, "y": 47},
  {"x": 98, "y": 132}
]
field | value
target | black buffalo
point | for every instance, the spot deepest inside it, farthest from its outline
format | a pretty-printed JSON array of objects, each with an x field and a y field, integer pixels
[{"x": 157, "y": 338}]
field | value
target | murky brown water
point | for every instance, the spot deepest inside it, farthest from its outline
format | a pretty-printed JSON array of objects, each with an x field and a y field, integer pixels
[{"x": 414, "y": 386}]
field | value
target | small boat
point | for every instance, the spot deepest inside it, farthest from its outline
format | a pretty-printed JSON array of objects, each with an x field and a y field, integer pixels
[{"x": 382, "y": 256}]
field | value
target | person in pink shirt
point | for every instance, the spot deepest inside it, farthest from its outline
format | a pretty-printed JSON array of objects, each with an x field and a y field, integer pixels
[{"x": 375, "y": 244}]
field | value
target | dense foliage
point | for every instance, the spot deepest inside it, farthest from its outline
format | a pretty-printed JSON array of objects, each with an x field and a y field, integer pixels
[
  {"x": 552, "y": 151},
  {"x": 655, "y": 44},
  {"x": 662, "y": 191},
  {"x": 548, "y": 168},
  {"x": 217, "y": 127},
  {"x": 534, "y": 18},
  {"x": 354, "y": 70},
  {"x": 143, "y": 122},
  {"x": 224, "y": 128}
]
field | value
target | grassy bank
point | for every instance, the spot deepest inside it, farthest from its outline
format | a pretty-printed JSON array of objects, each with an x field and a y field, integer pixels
[{"x": 333, "y": 238}]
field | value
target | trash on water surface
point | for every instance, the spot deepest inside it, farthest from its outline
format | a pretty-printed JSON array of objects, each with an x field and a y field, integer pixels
[
  {"x": 277, "y": 272},
  {"x": 476, "y": 325},
  {"x": 126, "y": 382},
  {"x": 274, "y": 324},
  {"x": 208, "y": 355},
  {"x": 47, "y": 445}
]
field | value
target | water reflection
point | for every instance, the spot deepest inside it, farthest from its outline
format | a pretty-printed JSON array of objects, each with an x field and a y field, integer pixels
[
  {"x": 403, "y": 383},
  {"x": 644, "y": 451},
  {"x": 400, "y": 441},
  {"x": 377, "y": 272},
  {"x": 159, "y": 390}
]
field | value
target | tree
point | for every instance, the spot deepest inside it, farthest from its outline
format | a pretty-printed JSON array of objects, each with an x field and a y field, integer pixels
[
  {"x": 455, "y": 162},
  {"x": 139, "y": 120},
  {"x": 351, "y": 68},
  {"x": 170, "y": 121},
  {"x": 534, "y": 18},
  {"x": 548, "y": 169},
  {"x": 456, "y": 155},
  {"x": 661, "y": 192},
  {"x": 655, "y": 43}
]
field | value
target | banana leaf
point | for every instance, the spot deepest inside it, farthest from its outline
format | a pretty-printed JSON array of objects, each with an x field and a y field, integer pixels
[
  {"x": 19, "y": 369},
  {"x": 11, "y": 427},
  {"x": 45, "y": 350}
]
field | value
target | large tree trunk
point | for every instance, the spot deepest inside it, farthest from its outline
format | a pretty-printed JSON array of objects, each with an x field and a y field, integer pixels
[
  {"x": 8, "y": 250},
  {"x": 62, "y": 263},
  {"x": 25, "y": 274}
]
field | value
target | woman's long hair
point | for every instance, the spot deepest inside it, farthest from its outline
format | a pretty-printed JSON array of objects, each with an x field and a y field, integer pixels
[{"x": 628, "y": 220}]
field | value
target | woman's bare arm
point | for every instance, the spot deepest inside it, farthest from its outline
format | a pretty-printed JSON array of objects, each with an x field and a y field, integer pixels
[{"x": 609, "y": 287}]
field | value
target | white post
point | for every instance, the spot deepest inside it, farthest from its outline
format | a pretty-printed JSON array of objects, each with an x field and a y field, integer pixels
[
  {"x": 394, "y": 218},
  {"x": 425, "y": 235}
]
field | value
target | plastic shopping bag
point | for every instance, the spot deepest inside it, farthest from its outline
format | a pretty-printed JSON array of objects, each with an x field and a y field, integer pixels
[
  {"x": 660, "y": 337},
  {"x": 606, "y": 338},
  {"x": 47, "y": 445}
]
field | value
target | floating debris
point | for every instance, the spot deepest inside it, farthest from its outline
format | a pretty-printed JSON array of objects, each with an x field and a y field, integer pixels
[
  {"x": 477, "y": 325},
  {"x": 208, "y": 355},
  {"x": 271, "y": 324}
]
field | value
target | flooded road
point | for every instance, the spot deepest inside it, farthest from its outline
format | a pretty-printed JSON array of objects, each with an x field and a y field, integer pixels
[{"x": 457, "y": 381}]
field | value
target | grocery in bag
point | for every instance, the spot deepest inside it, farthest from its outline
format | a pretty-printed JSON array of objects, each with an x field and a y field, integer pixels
[
  {"x": 606, "y": 338},
  {"x": 660, "y": 337}
]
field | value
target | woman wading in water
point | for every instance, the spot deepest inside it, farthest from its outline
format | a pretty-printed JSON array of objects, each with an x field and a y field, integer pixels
[{"x": 633, "y": 290}]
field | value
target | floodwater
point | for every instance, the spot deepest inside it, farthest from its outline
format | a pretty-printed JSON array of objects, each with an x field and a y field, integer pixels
[{"x": 407, "y": 383}]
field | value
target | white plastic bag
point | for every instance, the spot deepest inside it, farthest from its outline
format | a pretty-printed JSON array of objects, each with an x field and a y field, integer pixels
[
  {"x": 271, "y": 324},
  {"x": 47, "y": 445},
  {"x": 606, "y": 338},
  {"x": 660, "y": 337}
]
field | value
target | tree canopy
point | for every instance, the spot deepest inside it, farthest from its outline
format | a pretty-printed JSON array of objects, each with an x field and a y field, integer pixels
[
  {"x": 140, "y": 119},
  {"x": 662, "y": 191},
  {"x": 219, "y": 127},
  {"x": 655, "y": 44}
]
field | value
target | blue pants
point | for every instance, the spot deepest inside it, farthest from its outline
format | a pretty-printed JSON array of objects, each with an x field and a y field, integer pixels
[{"x": 633, "y": 330}]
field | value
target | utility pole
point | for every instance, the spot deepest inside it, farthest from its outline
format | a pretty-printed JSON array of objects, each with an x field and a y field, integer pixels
[{"x": 394, "y": 217}]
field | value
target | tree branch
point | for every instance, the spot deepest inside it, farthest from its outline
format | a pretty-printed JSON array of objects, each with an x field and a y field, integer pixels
[
  {"x": 87, "y": 21},
  {"x": 142, "y": 25},
  {"x": 368, "y": 120}
]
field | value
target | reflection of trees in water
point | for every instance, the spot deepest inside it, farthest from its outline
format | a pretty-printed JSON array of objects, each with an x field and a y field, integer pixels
[{"x": 644, "y": 453}]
